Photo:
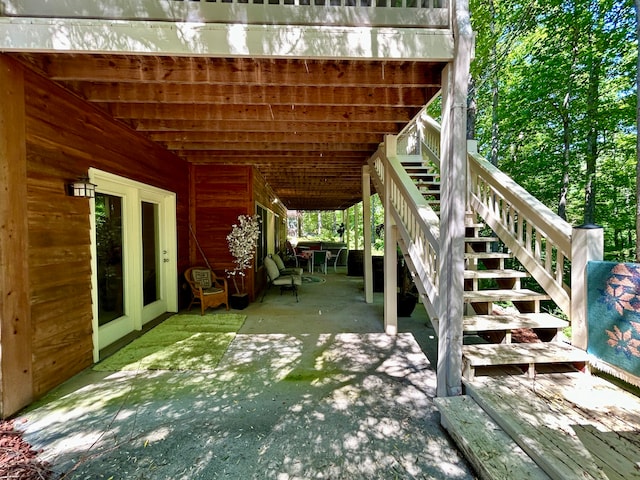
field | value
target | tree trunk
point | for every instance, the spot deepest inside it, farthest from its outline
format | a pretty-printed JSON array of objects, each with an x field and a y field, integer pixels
[
  {"x": 495, "y": 129},
  {"x": 592, "y": 133},
  {"x": 566, "y": 163},
  {"x": 471, "y": 110}
]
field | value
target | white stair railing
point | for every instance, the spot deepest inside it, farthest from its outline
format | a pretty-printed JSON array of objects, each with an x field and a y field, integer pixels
[
  {"x": 418, "y": 225},
  {"x": 540, "y": 239}
]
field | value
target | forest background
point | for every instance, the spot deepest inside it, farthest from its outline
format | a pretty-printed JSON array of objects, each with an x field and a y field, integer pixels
[{"x": 552, "y": 103}]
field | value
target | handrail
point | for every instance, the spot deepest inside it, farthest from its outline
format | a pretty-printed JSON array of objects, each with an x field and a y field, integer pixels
[
  {"x": 418, "y": 225},
  {"x": 421, "y": 136},
  {"x": 539, "y": 238}
]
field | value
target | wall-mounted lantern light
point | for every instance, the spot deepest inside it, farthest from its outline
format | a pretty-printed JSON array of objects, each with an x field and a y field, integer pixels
[{"x": 82, "y": 187}]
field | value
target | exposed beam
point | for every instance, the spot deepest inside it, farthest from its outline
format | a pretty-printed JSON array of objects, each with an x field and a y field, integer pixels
[
  {"x": 234, "y": 94},
  {"x": 299, "y": 136},
  {"x": 243, "y": 71},
  {"x": 169, "y": 125},
  {"x": 261, "y": 113},
  {"x": 271, "y": 147}
]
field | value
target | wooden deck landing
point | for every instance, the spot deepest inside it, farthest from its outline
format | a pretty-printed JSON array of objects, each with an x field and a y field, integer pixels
[{"x": 570, "y": 424}]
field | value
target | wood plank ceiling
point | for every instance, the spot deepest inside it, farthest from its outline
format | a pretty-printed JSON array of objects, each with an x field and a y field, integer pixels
[{"x": 308, "y": 125}]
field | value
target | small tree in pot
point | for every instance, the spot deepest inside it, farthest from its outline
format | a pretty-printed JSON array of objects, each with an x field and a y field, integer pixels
[
  {"x": 242, "y": 244},
  {"x": 407, "y": 291}
]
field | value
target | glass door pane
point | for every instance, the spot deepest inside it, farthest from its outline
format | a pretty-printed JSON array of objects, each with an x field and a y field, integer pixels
[
  {"x": 150, "y": 253},
  {"x": 109, "y": 257}
]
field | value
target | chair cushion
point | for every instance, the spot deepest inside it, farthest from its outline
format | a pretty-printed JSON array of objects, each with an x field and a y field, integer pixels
[
  {"x": 284, "y": 280},
  {"x": 279, "y": 263},
  {"x": 272, "y": 269},
  {"x": 212, "y": 290},
  {"x": 291, "y": 271},
  {"x": 202, "y": 278}
]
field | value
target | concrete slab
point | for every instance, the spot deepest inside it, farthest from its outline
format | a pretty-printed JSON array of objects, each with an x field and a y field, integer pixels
[{"x": 308, "y": 390}]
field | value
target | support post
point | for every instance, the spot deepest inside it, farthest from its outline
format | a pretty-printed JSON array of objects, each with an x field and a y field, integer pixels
[
  {"x": 453, "y": 174},
  {"x": 390, "y": 248},
  {"x": 366, "y": 230},
  {"x": 587, "y": 244},
  {"x": 356, "y": 215},
  {"x": 347, "y": 233},
  {"x": 16, "y": 377}
]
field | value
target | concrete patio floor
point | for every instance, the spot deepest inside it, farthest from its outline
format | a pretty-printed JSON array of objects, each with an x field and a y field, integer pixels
[{"x": 307, "y": 390}]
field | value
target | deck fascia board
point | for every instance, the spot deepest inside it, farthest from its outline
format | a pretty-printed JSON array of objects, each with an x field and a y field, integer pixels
[{"x": 224, "y": 40}]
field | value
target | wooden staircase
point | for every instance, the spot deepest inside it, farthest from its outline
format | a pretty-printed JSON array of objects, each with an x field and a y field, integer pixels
[
  {"x": 505, "y": 330},
  {"x": 497, "y": 308},
  {"x": 500, "y": 313}
]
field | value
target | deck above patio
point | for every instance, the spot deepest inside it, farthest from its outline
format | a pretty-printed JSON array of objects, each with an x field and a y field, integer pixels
[{"x": 395, "y": 13}]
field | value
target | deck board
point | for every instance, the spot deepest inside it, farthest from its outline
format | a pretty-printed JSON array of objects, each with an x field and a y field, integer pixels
[
  {"x": 475, "y": 323},
  {"x": 493, "y": 454},
  {"x": 546, "y": 437},
  {"x": 522, "y": 353},
  {"x": 584, "y": 410}
]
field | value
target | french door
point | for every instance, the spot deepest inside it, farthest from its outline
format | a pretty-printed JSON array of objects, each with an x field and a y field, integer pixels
[{"x": 134, "y": 256}]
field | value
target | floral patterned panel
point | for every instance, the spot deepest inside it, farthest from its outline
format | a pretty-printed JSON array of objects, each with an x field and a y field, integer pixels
[{"x": 614, "y": 314}]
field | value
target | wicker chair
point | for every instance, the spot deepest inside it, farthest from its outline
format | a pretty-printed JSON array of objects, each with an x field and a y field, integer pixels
[{"x": 207, "y": 289}]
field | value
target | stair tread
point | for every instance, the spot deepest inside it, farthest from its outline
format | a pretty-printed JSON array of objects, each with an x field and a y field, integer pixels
[
  {"x": 477, "y": 323},
  {"x": 487, "y": 255},
  {"x": 546, "y": 432},
  {"x": 503, "y": 295},
  {"x": 480, "y": 355},
  {"x": 491, "y": 451},
  {"x": 481, "y": 239},
  {"x": 503, "y": 273}
]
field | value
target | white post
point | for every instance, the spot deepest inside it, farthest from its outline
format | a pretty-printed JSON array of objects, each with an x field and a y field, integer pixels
[
  {"x": 356, "y": 214},
  {"x": 347, "y": 225},
  {"x": 390, "y": 248},
  {"x": 587, "y": 244},
  {"x": 366, "y": 230},
  {"x": 453, "y": 169}
]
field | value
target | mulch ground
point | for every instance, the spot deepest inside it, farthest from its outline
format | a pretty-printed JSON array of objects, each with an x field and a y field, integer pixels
[{"x": 18, "y": 460}]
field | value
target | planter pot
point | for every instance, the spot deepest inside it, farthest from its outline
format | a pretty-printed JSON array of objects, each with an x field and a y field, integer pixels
[
  {"x": 406, "y": 304},
  {"x": 239, "y": 301}
]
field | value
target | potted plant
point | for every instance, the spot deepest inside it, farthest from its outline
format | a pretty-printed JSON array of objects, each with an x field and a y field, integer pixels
[
  {"x": 407, "y": 291},
  {"x": 242, "y": 244}
]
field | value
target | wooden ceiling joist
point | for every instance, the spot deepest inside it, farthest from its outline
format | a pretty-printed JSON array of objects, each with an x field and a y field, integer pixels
[
  {"x": 164, "y": 125},
  {"x": 308, "y": 126},
  {"x": 244, "y": 71},
  {"x": 261, "y": 113},
  {"x": 300, "y": 136},
  {"x": 250, "y": 94}
]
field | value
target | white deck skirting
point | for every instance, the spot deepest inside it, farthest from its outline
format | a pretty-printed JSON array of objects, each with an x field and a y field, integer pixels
[{"x": 219, "y": 40}]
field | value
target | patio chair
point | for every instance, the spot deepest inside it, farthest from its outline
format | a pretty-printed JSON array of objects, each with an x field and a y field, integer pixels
[
  {"x": 207, "y": 289},
  {"x": 337, "y": 257},
  {"x": 285, "y": 282},
  {"x": 283, "y": 269},
  {"x": 319, "y": 260}
]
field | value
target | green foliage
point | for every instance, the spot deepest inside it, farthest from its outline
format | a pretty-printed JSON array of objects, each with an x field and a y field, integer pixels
[
  {"x": 555, "y": 96},
  {"x": 324, "y": 225}
]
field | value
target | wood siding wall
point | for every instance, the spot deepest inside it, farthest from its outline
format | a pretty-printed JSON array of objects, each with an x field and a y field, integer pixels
[
  {"x": 264, "y": 195},
  {"x": 64, "y": 137},
  {"x": 15, "y": 318},
  {"x": 219, "y": 194}
]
